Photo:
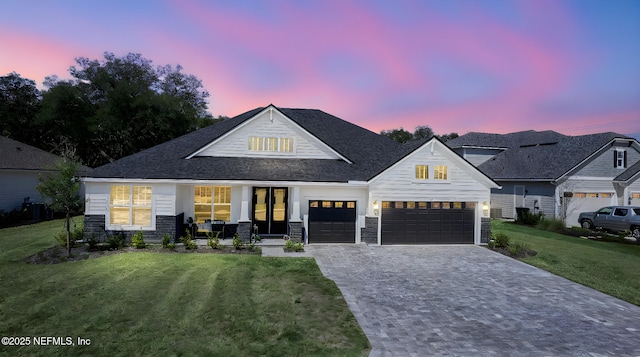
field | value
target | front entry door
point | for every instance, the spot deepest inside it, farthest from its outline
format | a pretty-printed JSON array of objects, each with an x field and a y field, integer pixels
[{"x": 270, "y": 209}]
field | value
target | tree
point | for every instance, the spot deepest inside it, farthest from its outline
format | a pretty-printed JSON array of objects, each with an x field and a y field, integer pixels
[
  {"x": 399, "y": 135},
  {"x": 61, "y": 190},
  {"x": 447, "y": 137},
  {"x": 19, "y": 104},
  {"x": 121, "y": 105},
  {"x": 422, "y": 132}
]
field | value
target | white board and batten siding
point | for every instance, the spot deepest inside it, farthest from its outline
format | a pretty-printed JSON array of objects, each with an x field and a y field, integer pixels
[
  {"x": 399, "y": 183},
  {"x": 269, "y": 124}
]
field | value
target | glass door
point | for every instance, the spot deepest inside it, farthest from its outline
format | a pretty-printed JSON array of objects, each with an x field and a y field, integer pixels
[{"x": 270, "y": 209}]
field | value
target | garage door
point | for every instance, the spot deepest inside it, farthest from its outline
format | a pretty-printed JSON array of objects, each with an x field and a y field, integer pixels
[
  {"x": 587, "y": 202},
  {"x": 332, "y": 222},
  {"x": 428, "y": 222}
]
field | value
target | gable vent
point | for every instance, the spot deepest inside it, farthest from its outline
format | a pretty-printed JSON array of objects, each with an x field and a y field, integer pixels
[{"x": 542, "y": 144}]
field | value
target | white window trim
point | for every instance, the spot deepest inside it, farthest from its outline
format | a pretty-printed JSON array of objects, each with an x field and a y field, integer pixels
[
  {"x": 131, "y": 227},
  {"x": 431, "y": 171},
  {"x": 279, "y": 145},
  {"x": 620, "y": 164}
]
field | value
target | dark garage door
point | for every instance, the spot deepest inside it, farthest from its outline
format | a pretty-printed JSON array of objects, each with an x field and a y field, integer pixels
[
  {"x": 332, "y": 222},
  {"x": 428, "y": 222}
]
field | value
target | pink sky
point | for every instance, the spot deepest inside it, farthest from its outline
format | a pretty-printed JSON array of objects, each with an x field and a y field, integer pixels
[{"x": 457, "y": 66}]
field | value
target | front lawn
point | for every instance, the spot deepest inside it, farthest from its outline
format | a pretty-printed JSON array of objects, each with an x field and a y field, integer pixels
[
  {"x": 613, "y": 268},
  {"x": 145, "y": 303}
]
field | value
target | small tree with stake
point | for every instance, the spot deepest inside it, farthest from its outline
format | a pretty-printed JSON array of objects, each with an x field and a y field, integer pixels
[{"x": 61, "y": 190}]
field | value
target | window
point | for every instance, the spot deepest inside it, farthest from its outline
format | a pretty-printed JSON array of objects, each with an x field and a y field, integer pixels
[
  {"x": 255, "y": 143},
  {"x": 208, "y": 200},
  {"x": 130, "y": 205},
  {"x": 606, "y": 195},
  {"x": 579, "y": 195},
  {"x": 440, "y": 172},
  {"x": 422, "y": 172},
  {"x": 326, "y": 204},
  {"x": 270, "y": 144},
  {"x": 621, "y": 212},
  {"x": 202, "y": 203},
  {"x": 286, "y": 144},
  {"x": 620, "y": 159},
  {"x": 635, "y": 195},
  {"x": 222, "y": 203},
  {"x": 351, "y": 204},
  {"x": 338, "y": 204},
  {"x": 411, "y": 205}
]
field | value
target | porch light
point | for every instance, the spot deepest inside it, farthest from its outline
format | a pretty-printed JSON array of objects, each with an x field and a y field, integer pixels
[
  {"x": 485, "y": 208},
  {"x": 375, "y": 207}
]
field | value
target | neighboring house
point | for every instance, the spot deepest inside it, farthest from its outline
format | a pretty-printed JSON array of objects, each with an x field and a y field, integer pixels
[
  {"x": 556, "y": 174},
  {"x": 299, "y": 172},
  {"x": 20, "y": 167}
]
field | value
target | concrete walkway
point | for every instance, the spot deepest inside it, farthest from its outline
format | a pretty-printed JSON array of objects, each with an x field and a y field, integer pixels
[{"x": 469, "y": 301}]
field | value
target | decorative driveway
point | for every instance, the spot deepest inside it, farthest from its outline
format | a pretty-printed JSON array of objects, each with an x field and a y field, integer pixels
[{"x": 470, "y": 301}]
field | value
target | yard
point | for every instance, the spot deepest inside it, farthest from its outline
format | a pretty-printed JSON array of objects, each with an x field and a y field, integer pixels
[
  {"x": 147, "y": 303},
  {"x": 613, "y": 268}
]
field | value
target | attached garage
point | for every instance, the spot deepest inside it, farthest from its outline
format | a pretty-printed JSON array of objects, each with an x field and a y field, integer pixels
[
  {"x": 332, "y": 221},
  {"x": 428, "y": 222},
  {"x": 587, "y": 202}
]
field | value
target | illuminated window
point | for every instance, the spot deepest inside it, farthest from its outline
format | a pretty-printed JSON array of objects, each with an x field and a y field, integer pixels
[
  {"x": 422, "y": 172},
  {"x": 435, "y": 205},
  {"x": 635, "y": 195},
  {"x": 422, "y": 205},
  {"x": 326, "y": 204},
  {"x": 386, "y": 204},
  {"x": 399, "y": 205},
  {"x": 222, "y": 203},
  {"x": 271, "y": 144},
  {"x": 257, "y": 143},
  {"x": 579, "y": 195},
  {"x": 130, "y": 205},
  {"x": 351, "y": 205},
  {"x": 338, "y": 204},
  {"x": 440, "y": 172},
  {"x": 411, "y": 205},
  {"x": 286, "y": 144},
  {"x": 606, "y": 195},
  {"x": 446, "y": 205},
  {"x": 202, "y": 203},
  {"x": 313, "y": 204},
  {"x": 457, "y": 205}
]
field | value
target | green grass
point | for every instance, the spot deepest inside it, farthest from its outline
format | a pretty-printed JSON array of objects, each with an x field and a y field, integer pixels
[
  {"x": 147, "y": 303},
  {"x": 613, "y": 268}
]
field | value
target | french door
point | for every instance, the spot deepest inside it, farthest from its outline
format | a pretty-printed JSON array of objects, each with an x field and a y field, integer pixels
[{"x": 270, "y": 209}]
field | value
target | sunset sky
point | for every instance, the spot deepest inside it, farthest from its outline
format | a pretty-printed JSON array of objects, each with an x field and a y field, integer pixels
[{"x": 457, "y": 65}]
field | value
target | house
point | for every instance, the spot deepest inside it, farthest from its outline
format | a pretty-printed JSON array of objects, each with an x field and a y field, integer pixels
[
  {"x": 555, "y": 174},
  {"x": 300, "y": 172},
  {"x": 20, "y": 167}
]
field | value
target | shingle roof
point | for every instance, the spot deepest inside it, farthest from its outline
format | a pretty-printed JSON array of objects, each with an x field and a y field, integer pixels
[
  {"x": 629, "y": 173},
  {"x": 20, "y": 156},
  {"x": 533, "y": 155},
  {"x": 369, "y": 153}
]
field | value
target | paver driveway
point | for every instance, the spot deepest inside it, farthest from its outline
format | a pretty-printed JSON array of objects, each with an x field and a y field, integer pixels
[{"x": 469, "y": 301}]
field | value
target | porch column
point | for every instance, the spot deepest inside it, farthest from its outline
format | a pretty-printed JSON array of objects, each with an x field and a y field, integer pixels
[
  {"x": 244, "y": 206},
  {"x": 295, "y": 210}
]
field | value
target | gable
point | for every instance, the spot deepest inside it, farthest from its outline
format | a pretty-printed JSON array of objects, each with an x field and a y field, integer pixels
[
  {"x": 432, "y": 156},
  {"x": 269, "y": 134},
  {"x": 602, "y": 163}
]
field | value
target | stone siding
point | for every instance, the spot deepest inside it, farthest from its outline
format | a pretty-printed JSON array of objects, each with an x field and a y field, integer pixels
[
  {"x": 369, "y": 234},
  {"x": 485, "y": 230},
  {"x": 95, "y": 225},
  {"x": 244, "y": 231},
  {"x": 295, "y": 231}
]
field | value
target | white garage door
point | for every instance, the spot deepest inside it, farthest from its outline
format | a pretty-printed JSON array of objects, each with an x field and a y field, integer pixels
[{"x": 587, "y": 202}]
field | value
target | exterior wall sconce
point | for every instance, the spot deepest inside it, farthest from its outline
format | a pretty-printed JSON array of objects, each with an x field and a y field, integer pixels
[
  {"x": 485, "y": 208},
  {"x": 376, "y": 208}
]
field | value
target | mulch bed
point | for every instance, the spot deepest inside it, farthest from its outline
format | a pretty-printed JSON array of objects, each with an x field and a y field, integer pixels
[{"x": 58, "y": 254}]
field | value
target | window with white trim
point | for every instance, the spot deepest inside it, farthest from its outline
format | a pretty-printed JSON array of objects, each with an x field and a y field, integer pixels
[
  {"x": 440, "y": 172},
  {"x": 422, "y": 172},
  {"x": 270, "y": 144},
  {"x": 620, "y": 159},
  {"x": 130, "y": 205},
  {"x": 212, "y": 202}
]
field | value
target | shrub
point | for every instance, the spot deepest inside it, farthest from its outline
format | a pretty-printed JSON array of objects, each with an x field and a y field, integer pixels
[
  {"x": 93, "y": 243},
  {"x": 166, "y": 240},
  {"x": 137, "y": 240},
  {"x": 188, "y": 242},
  {"x": 520, "y": 250},
  {"x": 171, "y": 246},
  {"x": 501, "y": 240},
  {"x": 291, "y": 246},
  {"x": 117, "y": 240},
  {"x": 237, "y": 242},
  {"x": 214, "y": 242},
  {"x": 528, "y": 218}
]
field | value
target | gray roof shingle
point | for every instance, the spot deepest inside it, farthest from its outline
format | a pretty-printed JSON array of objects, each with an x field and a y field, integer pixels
[
  {"x": 369, "y": 153},
  {"x": 532, "y": 155},
  {"x": 20, "y": 156}
]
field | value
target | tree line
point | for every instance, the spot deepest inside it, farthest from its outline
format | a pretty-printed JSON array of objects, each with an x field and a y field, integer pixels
[
  {"x": 420, "y": 132},
  {"x": 109, "y": 109}
]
